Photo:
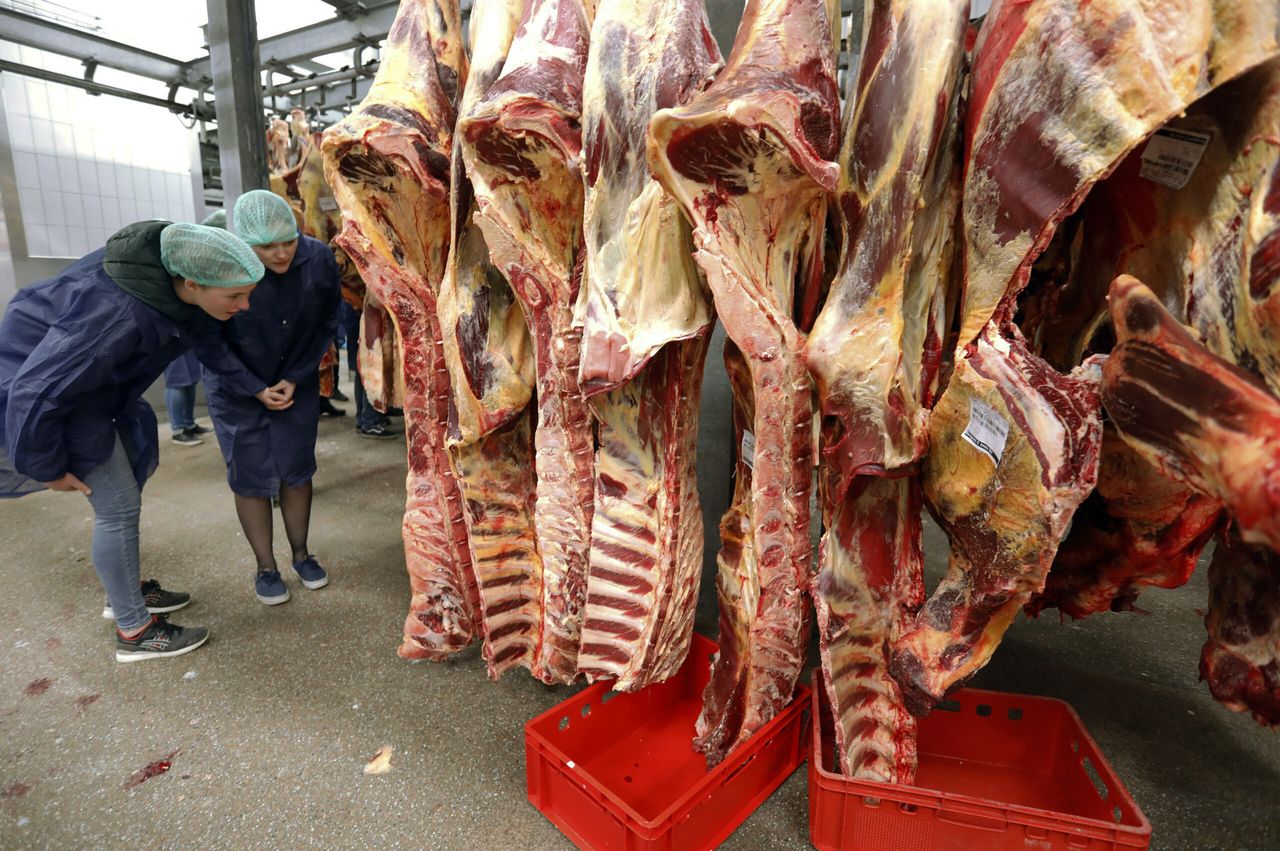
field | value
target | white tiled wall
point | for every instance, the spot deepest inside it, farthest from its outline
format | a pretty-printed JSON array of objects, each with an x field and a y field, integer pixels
[{"x": 86, "y": 165}]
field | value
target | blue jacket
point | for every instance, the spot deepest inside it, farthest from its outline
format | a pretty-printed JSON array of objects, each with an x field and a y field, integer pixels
[
  {"x": 183, "y": 372},
  {"x": 290, "y": 323},
  {"x": 76, "y": 354}
]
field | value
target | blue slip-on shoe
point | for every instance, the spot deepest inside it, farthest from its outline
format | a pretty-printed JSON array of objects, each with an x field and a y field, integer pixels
[
  {"x": 270, "y": 588},
  {"x": 311, "y": 573}
]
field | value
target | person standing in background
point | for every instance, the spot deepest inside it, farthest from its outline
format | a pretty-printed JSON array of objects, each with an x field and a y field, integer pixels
[
  {"x": 180, "y": 379},
  {"x": 263, "y": 384}
]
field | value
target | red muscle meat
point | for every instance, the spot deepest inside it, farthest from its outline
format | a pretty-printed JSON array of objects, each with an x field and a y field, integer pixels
[
  {"x": 750, "y": 160},
  {"x": 388, "y": 165},
  {"x": 645, "y": 315},
  {"x": 521, "y": 144},
  {"x": 1241, "y": 659},
  {"x": 1137, "y": 529},
  {"x": 1199, "y": 419}
]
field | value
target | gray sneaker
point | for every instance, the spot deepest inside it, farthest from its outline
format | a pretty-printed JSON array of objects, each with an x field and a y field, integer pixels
[
  {"x": 158, "y": 600},
  {"x": 159, "y": 640}
]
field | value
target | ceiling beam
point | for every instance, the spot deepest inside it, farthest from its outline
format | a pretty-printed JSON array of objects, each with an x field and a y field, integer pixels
[
  {"x": 68, "y": 41},
  {"x": 317, "y": 39},
  {"x": 203, "y": 111}
]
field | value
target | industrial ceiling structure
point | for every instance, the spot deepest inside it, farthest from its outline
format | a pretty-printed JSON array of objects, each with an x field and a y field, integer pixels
[{"x": 301, "y": 68}]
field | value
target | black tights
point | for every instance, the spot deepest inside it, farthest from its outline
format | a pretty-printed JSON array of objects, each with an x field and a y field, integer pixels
[{"x": 255, "y": 518}]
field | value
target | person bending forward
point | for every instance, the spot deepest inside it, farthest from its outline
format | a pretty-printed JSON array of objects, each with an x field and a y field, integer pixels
[
  {"x": 264, "y": 390},
  {"x": 76, "y": 354}
]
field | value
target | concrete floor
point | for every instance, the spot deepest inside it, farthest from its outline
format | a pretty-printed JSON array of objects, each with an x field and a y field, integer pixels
[{"x": 268, "y": 727}]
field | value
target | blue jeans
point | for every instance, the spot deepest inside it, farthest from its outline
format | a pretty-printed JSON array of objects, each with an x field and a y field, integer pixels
[
  {"x": 117, "y": 503},
  {"x": 181, "y": 402}
]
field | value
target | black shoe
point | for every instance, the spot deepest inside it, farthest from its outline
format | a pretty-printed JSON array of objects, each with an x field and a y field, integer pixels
[
  {"x": 186, "y": 438},
  {"x": 338, "y": 396},
  {"x": 159, "y": 640},
  {"x": 158, "y": 600},
  {"x": 378, "y": 431},
  {"x": 328, "y": 410},
  {"x": 395, "y": 412},
  {"x": 199, "y": 429}
]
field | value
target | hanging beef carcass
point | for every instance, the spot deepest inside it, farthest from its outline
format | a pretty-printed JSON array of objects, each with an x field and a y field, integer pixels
[
  {"x": 490, "y": 359},
  {"x": 1241, "y": 659},
  {"x": 1014, "y": 449},
  {"x": 868, "y": 352},
  {"x": 645, "y": 316},
  {"x": 750, "y": 160},
  {"x": 1061, "y": 91},
  {"x": 1199, "y": 419},
  {"x": 521, "y": 143},
  {"x": 1202, "y": 233},
  {"x": 388, "y": 164}
]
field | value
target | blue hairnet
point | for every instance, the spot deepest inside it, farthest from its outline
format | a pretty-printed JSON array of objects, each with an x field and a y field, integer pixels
[
  {"x": 216, "y": 219},
  {"x": 263, "y": 217},
  {"x": 209, "y": 256}
]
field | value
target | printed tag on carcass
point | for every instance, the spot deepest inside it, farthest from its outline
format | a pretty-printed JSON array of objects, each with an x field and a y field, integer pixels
[
  {"x": 987, "y": 430},
  {"x": 328, "y": 205},
  {"x": 749, "y": 449},
  {"x": 1172, "y": 155}
]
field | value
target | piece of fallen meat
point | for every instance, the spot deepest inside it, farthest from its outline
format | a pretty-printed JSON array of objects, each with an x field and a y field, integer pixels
[
  {"x": 388, "y": 165},
  {"x": 1200, "y": 420},
  {"x": 750, "y": 161}
]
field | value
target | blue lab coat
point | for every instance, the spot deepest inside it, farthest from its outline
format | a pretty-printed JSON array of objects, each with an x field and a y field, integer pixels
[
  {"x": 76, "y": 354},
  {"x": 289, "y": 325},
  {"x": 183, "y": 372}
]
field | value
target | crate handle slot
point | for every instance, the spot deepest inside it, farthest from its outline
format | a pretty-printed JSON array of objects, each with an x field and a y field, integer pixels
[
  {"x": 564, "y": 723},
  {"x": 608, "y": 696},
  {"x": 586, "y": 710},
  {"x": 1095, "y": 778},
  {"x": 983, "y": 709},
  {"x": 1117, "y": 815},
  {"x": 967, "y": 818},
  {"x": 738, "y": 769},
  {"x": 948, "y": 705},
  {"x": 1015, "y": 714}
]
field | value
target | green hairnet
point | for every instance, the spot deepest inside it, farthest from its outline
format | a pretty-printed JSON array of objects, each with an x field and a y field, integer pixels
[
  {"x": 264, "y": 217},
  {"x": 216, "y": 219},
  {"x": 209, "y": 256}
]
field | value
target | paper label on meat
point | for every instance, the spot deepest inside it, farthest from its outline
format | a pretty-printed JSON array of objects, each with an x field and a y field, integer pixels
[
  {"x": 749, "y": 449},
  {"x": 1172, "y": 156},
  {"x": 987, "y": 430},
  {"x": 329, "y": 204}
]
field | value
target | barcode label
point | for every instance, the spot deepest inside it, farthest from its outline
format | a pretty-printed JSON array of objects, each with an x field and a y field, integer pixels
[
  {"x": 987, "y": 430},
  {"x": 328, "y": 204},
  {"x": 1172, "y": 156},
  {"x": 749, "y": 449}
]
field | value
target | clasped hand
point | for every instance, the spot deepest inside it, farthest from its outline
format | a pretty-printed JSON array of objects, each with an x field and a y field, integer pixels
[{"x": 278, "y": 396}]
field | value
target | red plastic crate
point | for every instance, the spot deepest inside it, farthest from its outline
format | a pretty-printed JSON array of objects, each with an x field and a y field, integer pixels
[
  {"x": 618, "y": 771},
  {"x": 997, "y": 771}
]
